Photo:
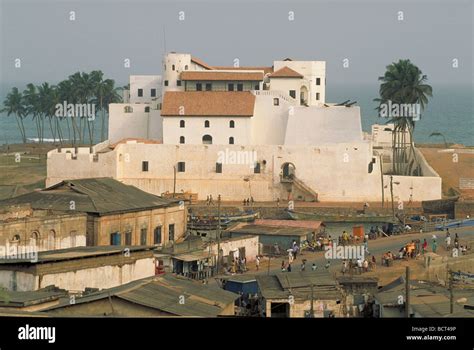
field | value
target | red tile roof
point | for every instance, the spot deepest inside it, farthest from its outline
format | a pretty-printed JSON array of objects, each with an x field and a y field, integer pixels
[
  {"x": 201, "y": 63},
  {"x": 208, "y": 103},
  {"x": 286, "y": 72}
]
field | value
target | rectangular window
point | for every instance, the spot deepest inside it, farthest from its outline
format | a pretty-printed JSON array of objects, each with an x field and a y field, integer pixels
[
  {"x": 178, "y": 82},
  {"x": 181, "y": 167},
  {"x": 157, "y": 235},
  {"x": 115, "y": 238},
  {"x": 256, "y": 169},
  {"x": 219, "y": 168},
  {"x": 293, "y": 93},
  {"x": 140, "y": 92},
  {"x": 128, "y": 238},
  {"x": 145, "y": 165},
  {"x": 208, "y": 87},
  {"x": 198, "y": 87},
  {"x": 257, "y": 87},
  {"x": 317, "y": 96},
  {"x": 166, "y": 82},
  {"x": 153, "y": 92},
  {"x": 318, "y": 81},
  {"x": 276, "y": 102},
  {"x": 143, "y": 232},
  {"x": 230, "y": 87},
  {"x": 240, "y": 87},
  {"x": 171, "y": 232}
]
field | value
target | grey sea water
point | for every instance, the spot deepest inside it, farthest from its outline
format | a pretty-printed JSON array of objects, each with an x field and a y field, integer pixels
[{"x": 450, "y": 112}]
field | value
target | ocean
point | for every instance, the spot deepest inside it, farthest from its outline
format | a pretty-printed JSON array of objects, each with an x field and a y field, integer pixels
[{"x": 450, "y": 112}]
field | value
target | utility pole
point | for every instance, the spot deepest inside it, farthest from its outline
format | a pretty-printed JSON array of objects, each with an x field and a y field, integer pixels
[
  {"x": 407, "y": 292},
  {"x": 451, "y": 294},
  {"x": 391, "y": 195},
  {"x": 312, "y": 302},
  {"x": 381, "y": 179},
  {"x": 268, "y": 267},
  {"x": 218, "y": 233}
]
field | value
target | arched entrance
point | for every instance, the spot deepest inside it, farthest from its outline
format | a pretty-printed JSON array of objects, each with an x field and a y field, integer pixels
[
  {"x": 288, "y": 170},
  {"x": 303, "y": 95},
  {"x": 207, "y": 140}
]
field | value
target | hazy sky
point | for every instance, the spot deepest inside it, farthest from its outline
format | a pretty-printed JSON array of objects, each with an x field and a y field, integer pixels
[{"x": 368, "y": 33}]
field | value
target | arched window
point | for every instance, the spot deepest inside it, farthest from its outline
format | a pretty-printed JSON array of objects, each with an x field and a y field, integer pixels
[
  {"x": 207, "y": 124},
  {"x": 207, "y": 140},
  {"x": 231, "y": 124},
  {"x": 186, "y": 67},
  {"x": 182, "y": 123},
  {"x": 128, "y": 109},
  {"x": 147, "y": 109},
  {"x": 182, "y": 139},
  {"x": 15, "y": 239},
  {"x": 34, "y": 238},
  {"x": 231, "y": 140},
  {"x": 51, "y": 240}
]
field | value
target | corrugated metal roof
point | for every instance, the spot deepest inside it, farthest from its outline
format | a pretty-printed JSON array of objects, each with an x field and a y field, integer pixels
[
  {"x": 309, "y": 224},
  {"x": 95, "y": 195},
  {"x": 270, "y": 230},
  {"x": 22, "y": 299}
]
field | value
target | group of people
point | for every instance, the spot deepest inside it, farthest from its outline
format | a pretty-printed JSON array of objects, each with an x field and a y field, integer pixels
[
  {"x": 209, "y": 200},
  {"x": 239, "y": 265},
  {"x": 358, "y": 266},
  {"x": 248, "y": 201}
]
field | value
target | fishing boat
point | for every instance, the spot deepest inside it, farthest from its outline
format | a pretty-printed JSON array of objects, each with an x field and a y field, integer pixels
[
  {"x": 455, "y": 224},
  {"x": 361, "y": 218},
  {"x": 211, "y": 222}
]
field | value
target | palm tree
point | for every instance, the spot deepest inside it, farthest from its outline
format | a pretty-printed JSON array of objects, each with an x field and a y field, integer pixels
[
  {"x": 106, "y": 93},
  {"x": 32, "y": 106},
  {"x": 404, "y": 83},
  {"x": 14, "y": 104},
  {"x": 440, "y": 134}
]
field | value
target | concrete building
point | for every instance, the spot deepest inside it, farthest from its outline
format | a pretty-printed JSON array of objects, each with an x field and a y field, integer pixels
[
  {"x": 299, "y": 294},
  {"x": 164, "y": 296},
  {"x": 116, "y": 214},
  {"x": 23, "y": 227},
  {"x": 75, "y": 269},
  {"x": 267, "y": 132}
]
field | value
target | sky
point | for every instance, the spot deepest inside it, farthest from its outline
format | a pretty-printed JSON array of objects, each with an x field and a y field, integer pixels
[{"x": 104, "y": 33}]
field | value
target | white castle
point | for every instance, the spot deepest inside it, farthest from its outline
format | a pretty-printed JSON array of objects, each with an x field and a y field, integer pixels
[{"x": 241, "y": 132}]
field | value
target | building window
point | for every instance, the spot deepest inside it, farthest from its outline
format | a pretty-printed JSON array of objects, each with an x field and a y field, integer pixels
[
  {"x": 143, "y": 233},
  {"x": 157, "y": 234},
  {"x": 153, "y": 92},
  {"x": 145, "y": 165},
  {"x": 276, "y": 102},
  {"x": 128, "y": 109},
  {"x": 181, "y": 167},
  {"x": 317, "y": 96},
  {"x": 182, "y": 123},
  {"x": 219, "y": 168},
  {"x": 293, "y": 93},
  {"x": 231, "y": 124},
  {"x": 208, "y": 87},
  {"x": 128, "y": 238},
  {"x": 171, "y": 232},
  {"x": 166, "y": 82},
  {"x": 240, "y": 87},
  {"x": 207, "y": 140},
  {"x": 231, "y": 140},
  {"x": 318, "y": 81},
  {"x": 173, "y": 67},
  {"x": 115, "y": 238},
  {"x": 207, "y": 124},
  {"x": 147, "y": 109},
  {"x": 178, "y": 82},
  {"x": 198, "y": 87},
  {"x": 140, "y": 92},
  {"x": 256, "y": 169},
  {"x": 230, "y": 87},
  {"x": 186, "y": 67},
  {"x": 257, "y": 87},
  {"x": 182, "y": 139}
]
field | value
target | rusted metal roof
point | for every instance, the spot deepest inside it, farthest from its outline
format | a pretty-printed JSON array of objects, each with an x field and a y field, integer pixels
[{"x": 309, "y": 224}]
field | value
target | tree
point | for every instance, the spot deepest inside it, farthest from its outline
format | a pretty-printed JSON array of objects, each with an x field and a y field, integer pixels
[
  {"x": 14, "y": 104},
  {"x": 404, "y": 83}
]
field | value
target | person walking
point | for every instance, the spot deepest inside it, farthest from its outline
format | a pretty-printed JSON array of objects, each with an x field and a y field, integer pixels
[
  {"x": 448, "y": 241},
  {"x": 434, "y": 245},
  {"x": 424, "y": 246}
]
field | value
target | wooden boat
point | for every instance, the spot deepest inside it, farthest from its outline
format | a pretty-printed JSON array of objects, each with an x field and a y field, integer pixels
[
  {"x": 361, "y": 218},
  {"x": 455, "y": 224},
  {"x": 211, "y": 222}
]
